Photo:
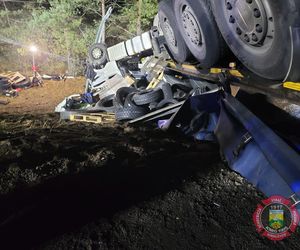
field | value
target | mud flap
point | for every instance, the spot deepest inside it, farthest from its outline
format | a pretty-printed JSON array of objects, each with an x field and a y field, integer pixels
[{"x": 256, "y": 152}]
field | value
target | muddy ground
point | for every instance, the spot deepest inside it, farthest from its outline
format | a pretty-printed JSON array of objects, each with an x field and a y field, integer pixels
[
  {"x": 78, "y": 186},
  {"x": 66, "y": 185}
]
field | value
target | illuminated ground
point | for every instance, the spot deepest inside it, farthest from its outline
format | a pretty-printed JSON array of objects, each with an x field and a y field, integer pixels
[{"x": 42, "y": 99}]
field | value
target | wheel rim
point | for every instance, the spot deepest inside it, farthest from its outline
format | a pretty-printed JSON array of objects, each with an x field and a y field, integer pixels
[
  {"x": 97, "y": 53},
  {"x": 191, "y": 26},
  {"x": 169, "y": 34},
  {"x": 251, "y": 20}
]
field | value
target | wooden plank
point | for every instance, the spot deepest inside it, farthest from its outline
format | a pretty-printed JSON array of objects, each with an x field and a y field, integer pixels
[
  {"x": 155, "y": 81},
  {"x": 107, "y": 116},
  {"x": 93, "y": 118}
]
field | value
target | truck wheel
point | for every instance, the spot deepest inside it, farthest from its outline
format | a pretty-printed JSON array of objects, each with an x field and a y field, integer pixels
[
  {"x": 106, "y": 104},
  {"x": 130, "y": 113},
  {"x": 199, "y": 30},
  {"x": 258, "y": 33},
  {"x": 148, "y": 96},
  {"x": 174, "y": 40},
  {"x": 121, "y": 95},
  {"x": 98, "y": 54}
]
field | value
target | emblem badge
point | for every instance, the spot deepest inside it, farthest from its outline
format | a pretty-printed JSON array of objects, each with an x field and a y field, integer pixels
[{"x": 276, "y": 218}]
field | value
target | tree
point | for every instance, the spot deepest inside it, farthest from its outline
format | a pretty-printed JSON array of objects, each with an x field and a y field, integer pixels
[
  {"x": 63, "y": 30},
  {"x": 103, "y": 14},
  {"x": 139, "y": 18}
]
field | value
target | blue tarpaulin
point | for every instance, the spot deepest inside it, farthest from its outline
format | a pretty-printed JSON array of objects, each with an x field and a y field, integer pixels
[{"x": 250, "y": 147}]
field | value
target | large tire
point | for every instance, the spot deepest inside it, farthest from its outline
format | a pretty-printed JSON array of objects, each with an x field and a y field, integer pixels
[
  {"x": 148, "y": 96},
  {"x": 167, "y": 91},
  {"x": 130, "y": 113},
  {"x": 98, "y": 54},
  {"x": 174, "y": 40},
  {"x": 126, "y": 109},
  {"x": 121, "y": 96},
  {"x": 199, "y": 30},
  {"x": 106, "y": 104},
  {"x": 258, "y": 33},
  {"x": 165, "y": 103}
]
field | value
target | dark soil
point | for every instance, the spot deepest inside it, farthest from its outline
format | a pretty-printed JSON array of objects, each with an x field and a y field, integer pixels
[{"x": 78, "y": 186}]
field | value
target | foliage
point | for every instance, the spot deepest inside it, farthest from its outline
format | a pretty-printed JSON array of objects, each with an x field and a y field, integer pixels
[
  {"x": 63, "y": 30},
  {"x": 126, "y": 20}
]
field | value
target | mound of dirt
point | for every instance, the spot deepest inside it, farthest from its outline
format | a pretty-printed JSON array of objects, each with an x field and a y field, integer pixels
[{"x": 76, "y": 186}]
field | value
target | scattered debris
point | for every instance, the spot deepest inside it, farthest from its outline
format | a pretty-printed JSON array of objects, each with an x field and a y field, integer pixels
[
  {"x": 57, "y": 77},
  {"x": 11, "y": 83},
  {"x": 216, "y": 204},
  {"x": 2, "y": 102},
  {"x": 11, "y": 93},
  {"x": 130, "y": 98},
  {"x": 13, "y": 77}
]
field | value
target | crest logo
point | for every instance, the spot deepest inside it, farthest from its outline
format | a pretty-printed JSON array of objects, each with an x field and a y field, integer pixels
[{"x": 276, "y": 218}]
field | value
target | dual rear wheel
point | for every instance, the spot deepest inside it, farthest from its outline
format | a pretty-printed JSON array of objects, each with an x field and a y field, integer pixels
[{"x": 256, "y": 31}]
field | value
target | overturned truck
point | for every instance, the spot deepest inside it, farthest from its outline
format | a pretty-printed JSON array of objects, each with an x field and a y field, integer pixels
[
  {"x": 261, "y": 36},
  {"x": 179, "y": 76}
]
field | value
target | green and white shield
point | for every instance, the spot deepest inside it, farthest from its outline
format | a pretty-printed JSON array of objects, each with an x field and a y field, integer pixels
[{"x": 276, "y": 219}]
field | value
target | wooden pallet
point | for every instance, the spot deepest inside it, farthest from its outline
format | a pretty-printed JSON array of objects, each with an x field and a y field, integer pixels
[
  {"x": 93, "y": 118},
  {"x": 13, "y": 77}
]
